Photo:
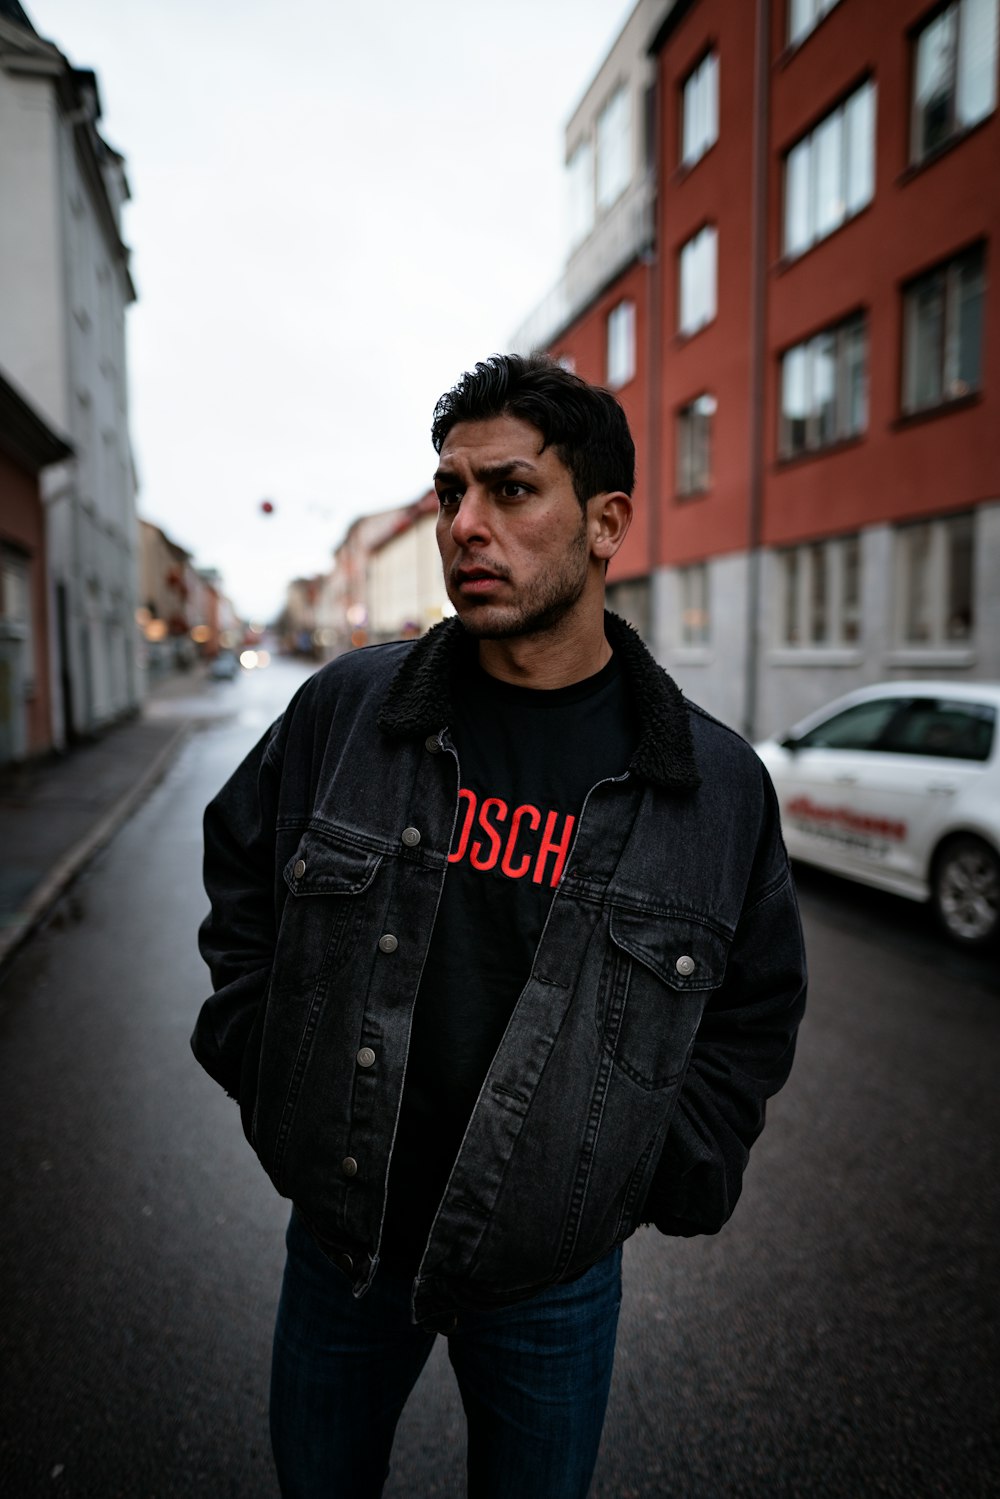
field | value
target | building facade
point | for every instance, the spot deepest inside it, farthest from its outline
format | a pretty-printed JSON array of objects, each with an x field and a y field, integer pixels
[
  {"x": 815, "y": 367},
  {"x": 406, "y": 592},
  {"x": 65, "y": 286},
  {"x": 27, "y": 447}
]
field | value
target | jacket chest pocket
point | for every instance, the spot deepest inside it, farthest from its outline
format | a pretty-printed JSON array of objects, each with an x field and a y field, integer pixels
[
  {"x": 322, "y": 916},
  {"x": 659, "y": 973}
]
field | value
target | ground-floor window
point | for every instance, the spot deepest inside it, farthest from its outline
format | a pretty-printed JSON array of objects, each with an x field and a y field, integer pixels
[
  {"x": 820, "y": 593},
  {"x": 934, "y": 563},
  {"x": 694, "y": 604},
  {"x": 15, "y": 607}
]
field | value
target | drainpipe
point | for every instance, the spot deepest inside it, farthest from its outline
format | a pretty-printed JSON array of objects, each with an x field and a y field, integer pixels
[
  {"x": 654, "y": 302},
  {"x": 758, "y": 359}
]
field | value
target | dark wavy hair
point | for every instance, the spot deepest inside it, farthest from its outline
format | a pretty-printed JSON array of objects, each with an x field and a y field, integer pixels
[{"x": 584, "y": 424}]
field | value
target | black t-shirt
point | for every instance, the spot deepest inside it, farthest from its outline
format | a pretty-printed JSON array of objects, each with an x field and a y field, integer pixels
[{"x": 527, "y": 759}]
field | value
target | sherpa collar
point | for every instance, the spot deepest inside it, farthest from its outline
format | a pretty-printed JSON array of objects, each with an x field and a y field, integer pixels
[{"x": 419, "y": 700}]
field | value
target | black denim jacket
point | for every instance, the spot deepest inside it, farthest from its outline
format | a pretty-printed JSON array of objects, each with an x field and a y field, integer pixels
[{"x": 659, "y": 1016}]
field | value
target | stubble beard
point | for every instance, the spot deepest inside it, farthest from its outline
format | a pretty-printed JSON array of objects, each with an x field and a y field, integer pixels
[{"x": 548, "y": 600}]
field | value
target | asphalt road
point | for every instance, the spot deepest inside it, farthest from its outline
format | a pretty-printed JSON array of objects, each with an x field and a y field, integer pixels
[{"x": 838, "y": 1339}]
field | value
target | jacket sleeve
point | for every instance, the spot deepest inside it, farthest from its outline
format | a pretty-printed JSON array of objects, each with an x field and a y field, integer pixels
[
  {"x": 742, "y": 1052},
  {"x": 237, "y": 937}
]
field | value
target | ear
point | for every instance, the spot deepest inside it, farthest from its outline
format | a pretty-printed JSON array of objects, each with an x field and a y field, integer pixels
[{"x": 608, "y": 517}]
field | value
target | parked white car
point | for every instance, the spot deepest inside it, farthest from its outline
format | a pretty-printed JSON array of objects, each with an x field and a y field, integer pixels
[{"x": 898, "y": 786}]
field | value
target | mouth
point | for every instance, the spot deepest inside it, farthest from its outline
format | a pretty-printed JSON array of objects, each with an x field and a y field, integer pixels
[{"x": 476, "y": 580}]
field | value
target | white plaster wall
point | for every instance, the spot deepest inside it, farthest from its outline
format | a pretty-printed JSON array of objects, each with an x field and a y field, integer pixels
[
  {"x": 405, "y": 582},
  {"x": 32, "y": 300}
]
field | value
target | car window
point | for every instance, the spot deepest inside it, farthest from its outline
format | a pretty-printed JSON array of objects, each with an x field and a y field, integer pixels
[
  {"x": 858, "y": 728},
  {"x": 938, "y": 726}
]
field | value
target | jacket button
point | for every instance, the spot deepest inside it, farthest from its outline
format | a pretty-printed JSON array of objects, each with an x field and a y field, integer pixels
[
  {"x": 432, "y": 744},
  {"x": 349, "y": 1166},
  {"x": 411, "y": 837},
  {"x": 300, "y": 868},
  {"x": 388, "y": 943},
  {"x": 345, "y": 1263},
  {"x": 366, "y": 1057},
  {"x": 685, "y": 966}
]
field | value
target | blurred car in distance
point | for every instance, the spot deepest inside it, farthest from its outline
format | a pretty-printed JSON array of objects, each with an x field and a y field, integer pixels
[
  {"x": 898, "y": 786},
  {"x": 224, "y": 667}
]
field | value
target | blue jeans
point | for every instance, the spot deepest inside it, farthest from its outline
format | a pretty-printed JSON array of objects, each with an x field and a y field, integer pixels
[{"x": 534, "y": 1380}]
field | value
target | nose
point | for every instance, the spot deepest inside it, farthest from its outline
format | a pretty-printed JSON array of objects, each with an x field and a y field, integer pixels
[{"x": 470, "y": 524}]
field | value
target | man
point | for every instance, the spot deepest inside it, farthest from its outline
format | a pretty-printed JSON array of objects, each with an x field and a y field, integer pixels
[{"x": 507, "y": 961}]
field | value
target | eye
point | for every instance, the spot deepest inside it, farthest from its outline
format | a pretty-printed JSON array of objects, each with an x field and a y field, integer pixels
[
  {"x": 447, "y": 498},
  {"x": 512, "y": 490}
]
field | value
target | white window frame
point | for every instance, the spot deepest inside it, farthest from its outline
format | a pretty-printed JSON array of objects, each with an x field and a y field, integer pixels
[
  {"x": 614, "y": 148},
  {"x": 698, "y": 281},
  {"x": 952, "y": 388},
  {"x": 694, "y": 445},
  {"x": 804, "y": 16},
  {"x": 929, "y": 595},
  {"x": 976, "y": 32},
  {"x": 620, "y": 350},
  {"x": 700, "y": 110},
  {"x": 819, "y": 583},
  {"x": 694, "y": 606},
  {"x": 841, "y": 146},
  {"x": 809, "y": 354}
]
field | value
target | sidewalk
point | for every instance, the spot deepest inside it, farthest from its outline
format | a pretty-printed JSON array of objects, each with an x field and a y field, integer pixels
[{"x": 56, "y": 814}]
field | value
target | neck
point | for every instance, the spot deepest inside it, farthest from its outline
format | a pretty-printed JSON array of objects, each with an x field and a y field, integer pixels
[{"x": 554, "y": 658}]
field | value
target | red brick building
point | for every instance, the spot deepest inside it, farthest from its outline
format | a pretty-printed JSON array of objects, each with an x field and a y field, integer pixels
[{"x": 815, "y": 376}]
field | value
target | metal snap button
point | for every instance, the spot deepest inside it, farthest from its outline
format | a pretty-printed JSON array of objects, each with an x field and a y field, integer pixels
[
  {"x": 411, "y": 837},
  {"x": 685, "y": 966},
  {"x": 349, "y": 1166},
  {"x": 299, "y": 869},
  {"x": 388, "y": 943},
  {"x": 366, "y": 1057},
  {"x": 432, "y": 744}
]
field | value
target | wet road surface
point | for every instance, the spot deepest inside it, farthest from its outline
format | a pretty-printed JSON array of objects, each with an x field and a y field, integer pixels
[{"x": 838, "y": 1339}]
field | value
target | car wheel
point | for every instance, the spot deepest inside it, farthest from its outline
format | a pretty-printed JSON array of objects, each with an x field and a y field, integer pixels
[{"x": 965, "y": 889}]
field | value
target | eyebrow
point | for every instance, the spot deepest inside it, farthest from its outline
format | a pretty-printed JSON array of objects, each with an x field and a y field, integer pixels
[{"x": 489, "y": 473}]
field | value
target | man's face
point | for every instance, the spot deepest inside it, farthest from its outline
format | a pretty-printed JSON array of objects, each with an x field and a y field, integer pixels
[{"x": 512, "y": 535}]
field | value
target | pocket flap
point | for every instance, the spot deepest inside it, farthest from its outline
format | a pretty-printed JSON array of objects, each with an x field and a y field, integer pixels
[
  {"x": 320, "y": 866},
  {"x": 682, "y": 952}
]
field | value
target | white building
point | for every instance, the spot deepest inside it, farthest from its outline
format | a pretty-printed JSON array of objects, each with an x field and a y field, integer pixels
[
  {"x": 64, "y": 288},
  {"x": 406, "y": 592}
]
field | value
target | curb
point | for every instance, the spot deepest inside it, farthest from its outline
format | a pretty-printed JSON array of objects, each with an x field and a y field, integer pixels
[{"x": 45, "y": 894}]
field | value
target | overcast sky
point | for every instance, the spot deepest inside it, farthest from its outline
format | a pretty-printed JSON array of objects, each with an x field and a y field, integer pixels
[{"x": 336, "y": 208}]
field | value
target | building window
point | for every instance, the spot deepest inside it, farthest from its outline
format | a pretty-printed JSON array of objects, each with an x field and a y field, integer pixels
[
  {"x": 804, "y": 16},
  {"x": 698, "y": 280},
  {"x": 15, "y": 610},
  {"x": 694, "y": 445},
  {"x": 820, "y": 593},
  {"x": 954, "y": 74},
  {"x": 614, "y": 148},
  {"x": 695, "y": 620},
  {"x": 581, "y": 192},
  {"x": 700, "y": 122},
  {"x": 830, "y": 174},
  {"x": 943, "y": 333},
  {"x": 824, "y": 388},
  {"x": 621, "y": 344},
  {"x": 934, "y": 582}
]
